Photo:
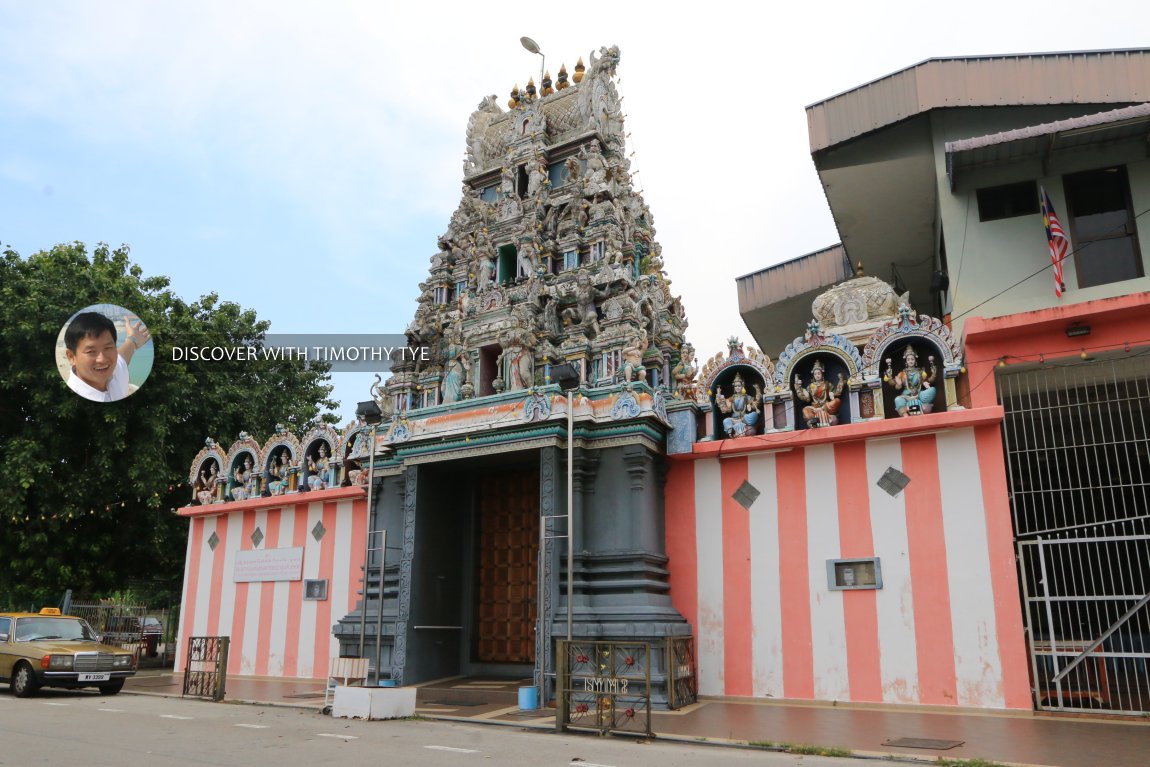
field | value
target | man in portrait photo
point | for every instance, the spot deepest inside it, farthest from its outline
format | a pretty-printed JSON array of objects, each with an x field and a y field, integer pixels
[{"x": 99, "y": 370}]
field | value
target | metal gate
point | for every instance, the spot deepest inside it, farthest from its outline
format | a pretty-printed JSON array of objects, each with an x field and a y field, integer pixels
[
  {"x": 206, "y": 670},
  {"x": 604, "y": 686},
  {"x": 1078, "y": 459}
]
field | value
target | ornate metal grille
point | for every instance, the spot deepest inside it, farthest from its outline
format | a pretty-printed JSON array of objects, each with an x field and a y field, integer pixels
[
  {"x": 1077, "y": 447},
  {"x": 682, "y": 681},
  {"x": 605, "y": 686},
  {"x": 206, "y": 670}
]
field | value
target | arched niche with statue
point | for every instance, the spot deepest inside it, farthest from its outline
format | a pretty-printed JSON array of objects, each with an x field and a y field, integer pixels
[
  {"x": 353, "y": 453},
  {"x": 244, "y": 462},
  {"x": 736, "y": 386},
  {"x": 911, "y": 364},
  {"x": 321, "y": 459},
  {"x": 282, "y": 458},
  {"x": 817, "y": 382},
  {"x": 207, "y": 477}
]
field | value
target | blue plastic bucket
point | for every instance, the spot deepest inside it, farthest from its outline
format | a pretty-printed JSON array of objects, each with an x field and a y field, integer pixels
[
  {"x": 388, "y": 683},
  {"x": 528, "y": 698}
]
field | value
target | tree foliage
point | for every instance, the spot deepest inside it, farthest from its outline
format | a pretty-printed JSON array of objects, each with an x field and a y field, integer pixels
[{"x": 88, "y": 488}]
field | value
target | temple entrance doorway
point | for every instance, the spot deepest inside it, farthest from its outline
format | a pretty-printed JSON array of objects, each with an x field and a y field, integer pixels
[{"x": 506, "y": 567}]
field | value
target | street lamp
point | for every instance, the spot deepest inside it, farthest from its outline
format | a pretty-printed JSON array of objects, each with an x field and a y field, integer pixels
[
  {"x": 568, "y": 379},
  {"x": 371, "y": 414},
  {"x": 533, "y": 47}
]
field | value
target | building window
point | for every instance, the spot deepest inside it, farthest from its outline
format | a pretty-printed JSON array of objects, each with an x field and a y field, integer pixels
[
  {"x": 597, "y": 250},
  {"x": 570, "y": 260},
  {"x": 1102, "y": 227},
  {"x": 1007, "y": 201},
  {"x": 460, "y": 288},
  {"x": 441, "y": 295},
  {"x": 489, "y": 193}
]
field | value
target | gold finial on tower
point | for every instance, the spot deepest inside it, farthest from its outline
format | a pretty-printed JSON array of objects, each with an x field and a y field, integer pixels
[
  {"x": 859, "y": 270},
  {"x": 515, "y": 99},
  {"x": 530, "y": 90},
  {"x": 562, "y": 83},
  {"x": 545, "y": 86},
  {"x": 579, "y": 70}
]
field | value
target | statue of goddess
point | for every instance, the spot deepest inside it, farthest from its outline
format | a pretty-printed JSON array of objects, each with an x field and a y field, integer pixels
[
  {"x": 245, "y": 480},
  {"x": 684, "y": 373},
  {"x": 917, "y": 393},
  {"x": 823, "y": 398},
  {"x": 741, "y": 409},
  {"x": 318, "y": 470},
  {"x": 278, "y": 474}
]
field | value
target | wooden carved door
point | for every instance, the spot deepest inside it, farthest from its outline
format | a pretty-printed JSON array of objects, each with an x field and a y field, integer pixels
[{"x": 507, "y": 567}]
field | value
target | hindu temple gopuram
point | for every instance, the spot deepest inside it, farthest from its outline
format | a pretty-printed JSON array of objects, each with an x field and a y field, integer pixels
[{"x": 550, "y": 258}]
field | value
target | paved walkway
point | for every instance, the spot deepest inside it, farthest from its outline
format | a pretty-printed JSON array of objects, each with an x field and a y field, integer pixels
[{"x": 1015, "y": 739}]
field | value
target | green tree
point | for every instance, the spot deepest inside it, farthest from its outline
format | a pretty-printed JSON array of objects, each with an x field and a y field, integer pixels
[{"x": 87, "y": 490}]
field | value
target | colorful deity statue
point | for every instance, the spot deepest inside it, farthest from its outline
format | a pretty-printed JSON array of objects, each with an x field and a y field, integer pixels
[
  {"x": 246, "y": 479},
  {"x": 205, "y": 488},
  {"x": 822, "y": 398},
  {"x": 684, "y": 373},
  {"x": 741, "y": 409},
  {"x": 278, "y": 474},
  {"x": 318, "y": 469},
  {"x": 633, "y": 358},
  {"x": 915, "y": 384}
]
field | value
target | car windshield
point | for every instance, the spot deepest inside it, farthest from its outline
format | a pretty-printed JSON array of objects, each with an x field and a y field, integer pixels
[{"x": 73, "y": 629}]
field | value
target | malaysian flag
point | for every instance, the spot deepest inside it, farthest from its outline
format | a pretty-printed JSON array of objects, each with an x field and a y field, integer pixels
[{"x": 1056, "y": 238}]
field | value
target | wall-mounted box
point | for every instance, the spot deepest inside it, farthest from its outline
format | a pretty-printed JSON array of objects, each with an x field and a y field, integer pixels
[
  {"x": 854, "y": 574},
  {"x": 315, "y": 590}
]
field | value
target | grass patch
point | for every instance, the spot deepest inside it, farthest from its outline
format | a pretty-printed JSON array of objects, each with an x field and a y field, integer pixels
[{"x": 802, "y": 749}]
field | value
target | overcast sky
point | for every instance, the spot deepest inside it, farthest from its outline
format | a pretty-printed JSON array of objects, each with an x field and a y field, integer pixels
[{"x": 300, "y": 159}]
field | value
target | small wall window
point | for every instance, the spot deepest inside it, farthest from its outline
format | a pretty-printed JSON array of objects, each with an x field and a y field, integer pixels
[
  {"x": 854, "y": 574},
  {"x": 489, "y": 193},
  {"x": 315, "y": 590},
  {"x": 597, "y": 250},
  {"x": 508, "y": 263},
  {"x": 460, "y": 288},
  {"x": 1007, "y": 201},
  {"x": 570, "y": 260},
  {"x": 1102, "y": 227},
  {"x": 441, "y": 294}
]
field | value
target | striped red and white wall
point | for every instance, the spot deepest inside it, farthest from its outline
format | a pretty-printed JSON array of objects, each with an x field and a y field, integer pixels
[
  {"x": 944, "y": 629},
  {"x": 273, "y": 630}
]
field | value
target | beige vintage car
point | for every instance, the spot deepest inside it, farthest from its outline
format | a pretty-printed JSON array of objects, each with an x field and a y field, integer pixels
[{"x": 47, "y": 649}]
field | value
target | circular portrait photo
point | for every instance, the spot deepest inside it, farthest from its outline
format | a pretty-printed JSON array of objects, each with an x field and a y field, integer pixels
[{"x": 104, "y": 353}]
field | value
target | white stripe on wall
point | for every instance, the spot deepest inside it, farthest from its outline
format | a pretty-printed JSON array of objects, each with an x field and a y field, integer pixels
[
  {"x": 204, "y": 579},
  {"x": 709, "y": 546},
  {"x": 280, "y": 601},
  {"x": 341, "y": 583},
  {"x": 228, "y": 584},
  {"x": 898, "y": 649},
  {"x": 766, "y": 598},
  {"x": 828, "y": 624},
  {"x": 308, "y": 611},
  {"x": 978, "y": 665},
  {"x": 252, "y": 615}
]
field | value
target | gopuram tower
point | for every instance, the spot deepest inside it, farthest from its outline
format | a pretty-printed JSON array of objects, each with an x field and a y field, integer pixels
[{"x": 548, "y": 274}]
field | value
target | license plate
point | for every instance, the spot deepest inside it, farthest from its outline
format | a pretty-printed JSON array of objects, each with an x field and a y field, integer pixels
[{"x": 94, "y": 677}]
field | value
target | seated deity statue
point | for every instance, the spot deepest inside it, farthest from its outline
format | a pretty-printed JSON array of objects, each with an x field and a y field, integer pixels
[
  {"x": 318, "y": 469},
  {"x": 205, "y": 487},
  {"x": 741, "y": 409},
  {"x": 245, "y": 479},
  {"x": 684, "y": 373},
  {"x": 278, "y": 474},
  {"x": 823, "y": 399},
  {"x": 916, "y": 385}
]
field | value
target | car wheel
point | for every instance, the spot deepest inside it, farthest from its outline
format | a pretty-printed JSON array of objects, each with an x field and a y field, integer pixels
[
  {"x": 24, "y": 681},
  {"x": 112, "y": 687}
]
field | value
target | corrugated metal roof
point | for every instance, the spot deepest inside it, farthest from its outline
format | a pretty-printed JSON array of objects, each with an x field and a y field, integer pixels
[
  {"x": 813, "y": 271},
  {"x": 1081, "y": 77}
]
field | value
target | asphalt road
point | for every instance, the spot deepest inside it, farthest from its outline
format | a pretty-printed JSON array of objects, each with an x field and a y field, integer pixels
[{"x": 82, "y": 728}]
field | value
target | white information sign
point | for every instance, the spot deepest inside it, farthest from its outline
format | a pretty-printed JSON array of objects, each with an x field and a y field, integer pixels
[{"x": 269, "y": 565}]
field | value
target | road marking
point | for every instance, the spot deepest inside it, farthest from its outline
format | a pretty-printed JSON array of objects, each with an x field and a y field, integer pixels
[
  {"x": 588, "y": 764},
  {"x": 49, "y": 703},
  {"x": 454, "y": 750},
  {"x": 333, "y": 735},
  {"x": 173, "y": 716},
  {"x": 112, "y": 710},
  {"x": 255, "y": 726}
]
